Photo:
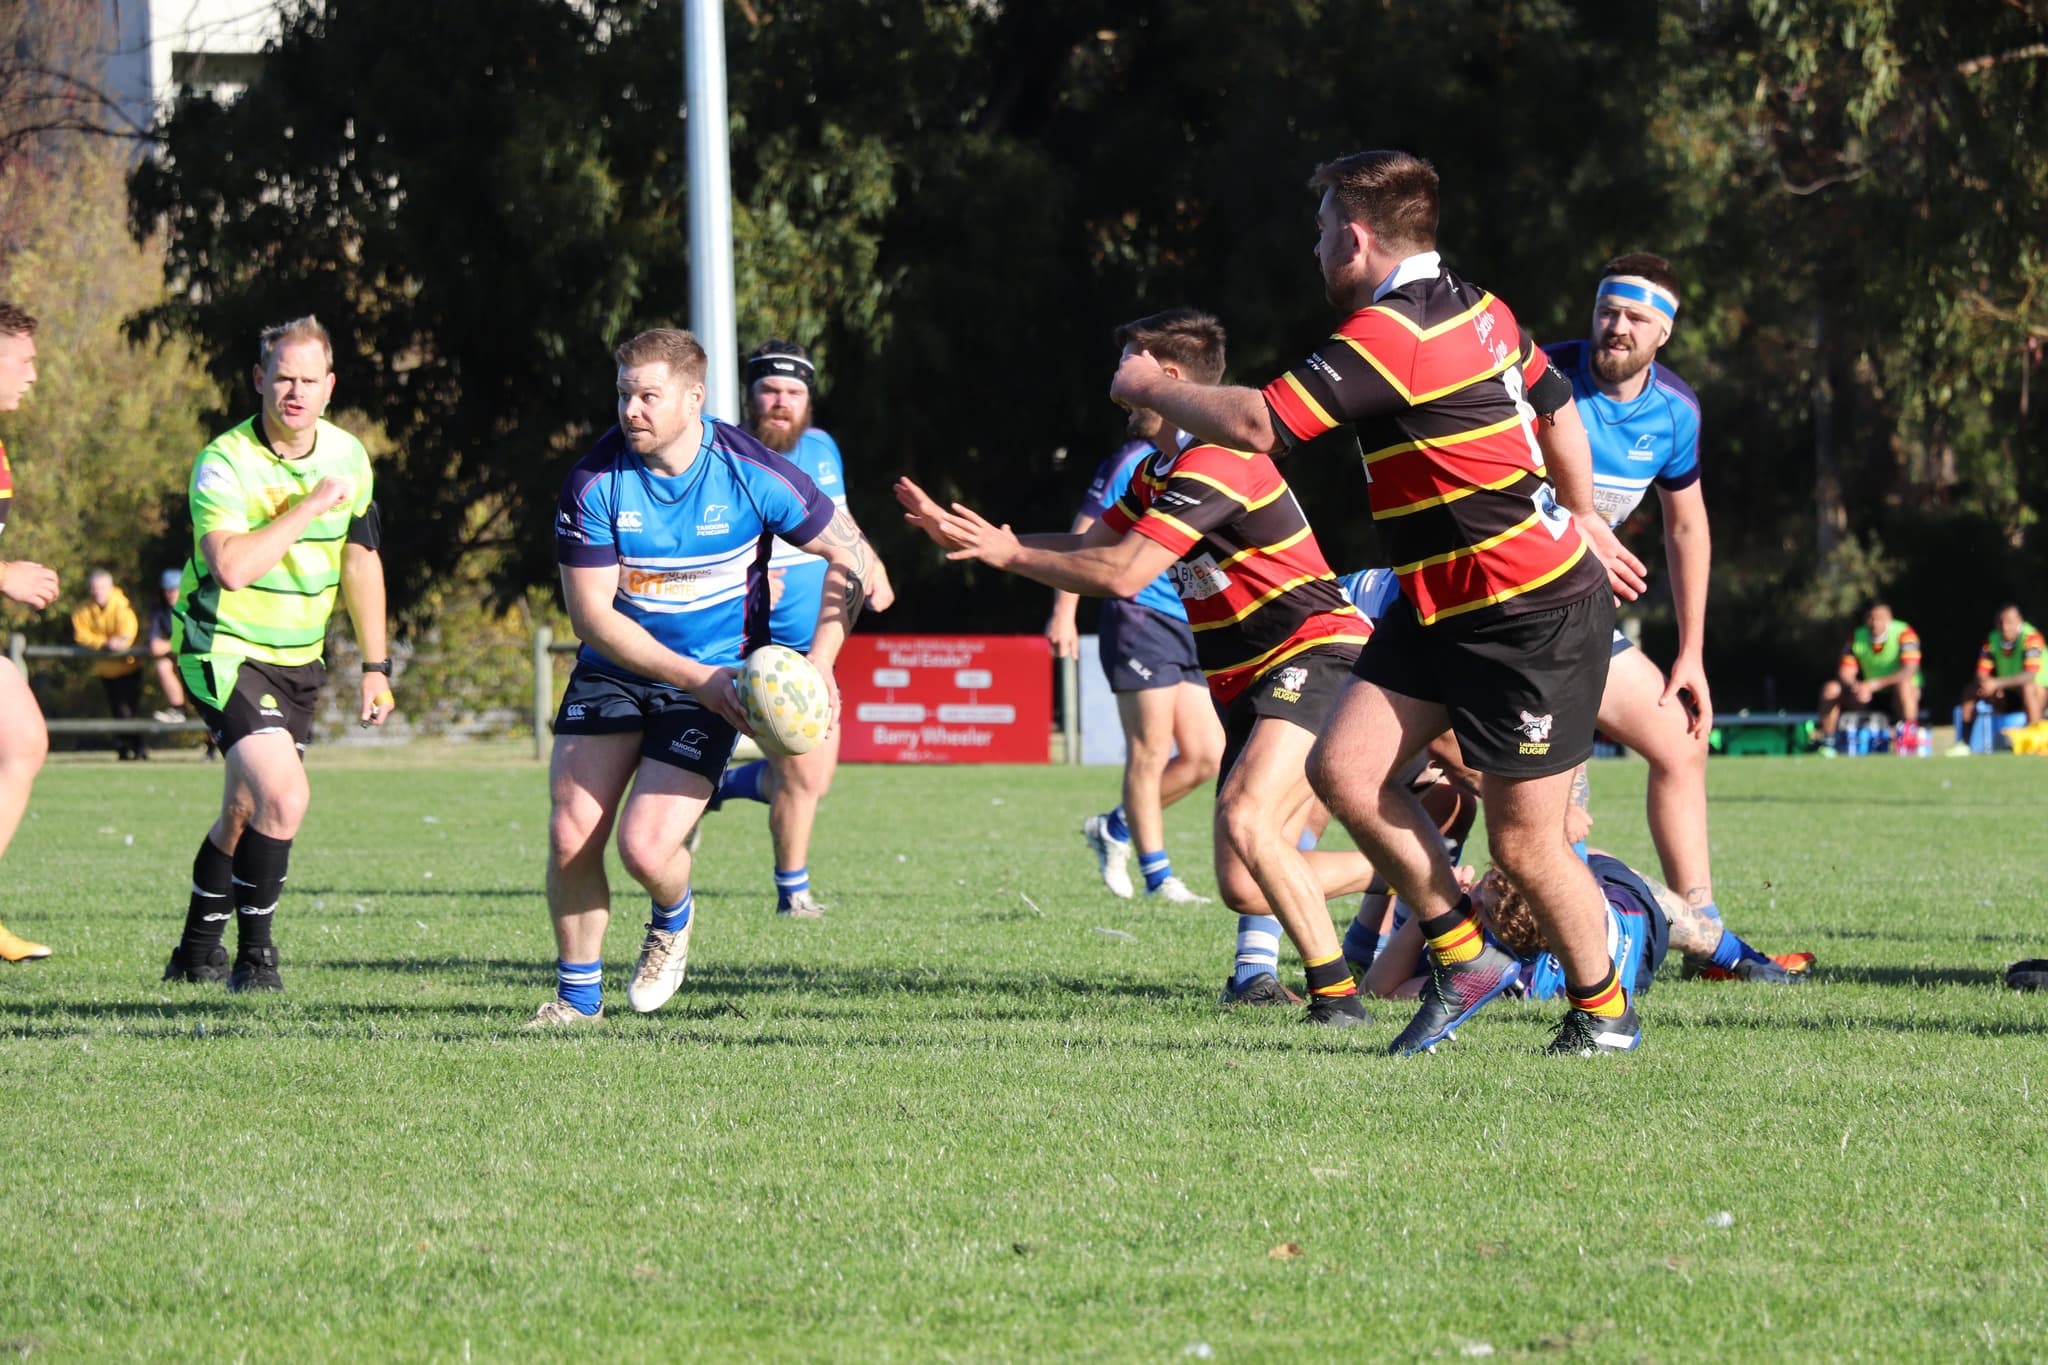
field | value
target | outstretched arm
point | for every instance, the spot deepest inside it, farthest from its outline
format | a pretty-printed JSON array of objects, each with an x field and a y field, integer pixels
[{"x": 1098, "y": 563}]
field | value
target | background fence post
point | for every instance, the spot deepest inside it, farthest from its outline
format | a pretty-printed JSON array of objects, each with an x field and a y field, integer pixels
[
  {"x": 17, "y": 650},
  {"x": 543, "y": 687},
  {"x": 1070, "y": 708}
]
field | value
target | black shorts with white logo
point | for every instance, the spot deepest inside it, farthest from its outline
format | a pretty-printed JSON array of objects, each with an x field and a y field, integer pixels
[
  {"x": 1142, "y": 649},
  {"x": 239, "y": 697},
  {"x": 1300, "y": 691},
  {"x": 674, "y": 727},
  {"x": 1523, "y": 691}
]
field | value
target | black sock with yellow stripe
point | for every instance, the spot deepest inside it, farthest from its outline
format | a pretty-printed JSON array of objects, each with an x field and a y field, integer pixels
[
  {"x": 1454, "y": 936},
  {"x": 1606, "y": 1000},
  {"x": 1329, "y": 978}
]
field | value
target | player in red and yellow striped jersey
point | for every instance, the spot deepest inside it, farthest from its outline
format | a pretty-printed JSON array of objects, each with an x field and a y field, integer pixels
[
  {"x": 24, "y": 740},
  {"x": 1480, "y": 480},
  {"x": 1275, "y": 637}
]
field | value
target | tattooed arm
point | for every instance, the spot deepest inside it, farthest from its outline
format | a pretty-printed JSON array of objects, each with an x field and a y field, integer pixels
[
  {"x": 1578, "y": 816},
  {"x": 851, "y": 567},
  {"x": 1692, "y": 933}
]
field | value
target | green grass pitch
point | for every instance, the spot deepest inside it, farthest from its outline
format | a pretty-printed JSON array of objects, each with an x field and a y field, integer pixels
[{"x": 983, "y": 1111}]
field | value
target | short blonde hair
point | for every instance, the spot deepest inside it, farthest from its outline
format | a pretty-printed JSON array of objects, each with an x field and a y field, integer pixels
[
  {"x": 275, "y": 338},
  {"x": 670, "y": 346}
]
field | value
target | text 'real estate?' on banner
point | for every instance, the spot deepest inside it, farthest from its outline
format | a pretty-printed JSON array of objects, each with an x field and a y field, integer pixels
[{"x": 945, "y": 699}]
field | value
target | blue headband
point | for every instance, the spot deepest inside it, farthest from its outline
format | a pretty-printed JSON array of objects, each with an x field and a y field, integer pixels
[{"x": 1636, "y": 289}]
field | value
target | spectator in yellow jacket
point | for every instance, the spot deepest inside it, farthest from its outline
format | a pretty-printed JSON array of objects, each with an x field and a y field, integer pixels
[{"x": 105, "y": 621}]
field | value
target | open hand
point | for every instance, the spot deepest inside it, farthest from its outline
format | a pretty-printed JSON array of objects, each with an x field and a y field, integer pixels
[
  {"x": 921, "y": 511},
  {"x": 1624, "y": 570}
]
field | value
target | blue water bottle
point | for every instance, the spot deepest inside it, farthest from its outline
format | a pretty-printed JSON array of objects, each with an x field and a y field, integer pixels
[{"x": 1983, "y": 730}]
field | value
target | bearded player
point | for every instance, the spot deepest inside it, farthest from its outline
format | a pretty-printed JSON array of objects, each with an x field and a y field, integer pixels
[{"x": 780, "y": 378}]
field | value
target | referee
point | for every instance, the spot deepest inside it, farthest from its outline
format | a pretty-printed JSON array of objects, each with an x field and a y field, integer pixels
[{"x": 282, "y": 522}]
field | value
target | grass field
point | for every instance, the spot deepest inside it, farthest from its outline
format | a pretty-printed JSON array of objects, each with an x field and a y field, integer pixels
[{"x": 984, "y": 1111}]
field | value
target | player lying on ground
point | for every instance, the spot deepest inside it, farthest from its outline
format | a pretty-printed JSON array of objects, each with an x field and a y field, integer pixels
[
  {"x": 1645, "y": 920},
  {"x": 1276, "y": 636}
]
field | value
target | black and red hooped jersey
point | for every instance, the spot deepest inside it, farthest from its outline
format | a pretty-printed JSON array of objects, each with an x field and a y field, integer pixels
[
  {"x": 6, "y": 488},
  {"x": 1257, "y": 588},
  {"x": 1433, "y": 378}
]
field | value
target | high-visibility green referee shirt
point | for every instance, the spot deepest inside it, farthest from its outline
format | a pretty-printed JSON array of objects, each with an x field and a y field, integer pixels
[{"x": 239, "y": 484}]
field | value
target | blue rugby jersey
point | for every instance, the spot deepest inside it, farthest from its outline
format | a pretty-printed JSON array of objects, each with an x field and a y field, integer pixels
[
  {"x": 1112, "y": 477},
  {"x": 1633, "y": 937},
  {"x": 795, "y": 618},
  {"x": 1372, "y": 591},
  {"x": 692, "y": 550},
  {"x": 1653, "y": 440}
]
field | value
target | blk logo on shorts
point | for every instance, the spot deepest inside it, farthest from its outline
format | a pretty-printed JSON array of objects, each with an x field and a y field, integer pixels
[
  {"x": 1535, "y": 732},
  {"x": 1288, "y": 682}
]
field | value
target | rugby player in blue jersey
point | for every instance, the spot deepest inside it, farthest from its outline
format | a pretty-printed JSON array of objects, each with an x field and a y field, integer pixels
[
  {"x": 779, "y": 376},
  {"x": 664, "y": 533},
  {"x": 1643, "y": 424},
  {"x": 1173, "y": 741}
]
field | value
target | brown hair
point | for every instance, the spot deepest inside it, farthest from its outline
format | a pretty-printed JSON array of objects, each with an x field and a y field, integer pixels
[
  {"x": 1650, "y": 266},
  {"x": 1394, "y": 194},
  {"x": 14, "y": 322},
  {"x": 670, "y": 346},
  {"x": 1514, "y": 923},
  {"x": 275, "y": 338},
  {"x": 1191, "y": 340}
]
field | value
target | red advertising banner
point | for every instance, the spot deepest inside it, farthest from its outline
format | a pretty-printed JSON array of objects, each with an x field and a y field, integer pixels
[{"x": 945, "y": 699}]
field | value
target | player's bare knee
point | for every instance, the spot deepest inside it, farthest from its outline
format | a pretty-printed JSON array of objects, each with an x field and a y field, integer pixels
[
  {"x": 1830, "y": 692},
  {"x": 648, "y": 854}
]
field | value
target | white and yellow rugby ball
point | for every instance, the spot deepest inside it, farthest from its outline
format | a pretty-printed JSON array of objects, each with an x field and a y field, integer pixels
[{"x": 785, "y": 700}]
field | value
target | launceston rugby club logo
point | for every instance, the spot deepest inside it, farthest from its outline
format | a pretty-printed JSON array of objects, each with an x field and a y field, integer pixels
[
  {"x": 1535, "y": 731},
  {"x": 1288, "y": 682}
]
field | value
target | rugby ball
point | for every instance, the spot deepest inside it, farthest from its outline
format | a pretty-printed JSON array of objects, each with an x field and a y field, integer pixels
[{"x": 785, "y": 700}]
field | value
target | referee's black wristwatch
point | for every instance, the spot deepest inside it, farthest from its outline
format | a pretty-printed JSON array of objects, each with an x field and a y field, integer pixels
[{"x": 382, "y": 666}]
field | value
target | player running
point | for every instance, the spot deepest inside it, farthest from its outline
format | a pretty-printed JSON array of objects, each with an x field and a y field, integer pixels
[
  {"x": 1276, "y": 637},
  {"x": 283, "y": 519},
  {"x": 24, "y": 739},
  {"x": 1507, "y": 578},
  {"x": 1173, "y": 742},
  {"x": 664, "y": 535},
  {"x": 779, "y": 377}
]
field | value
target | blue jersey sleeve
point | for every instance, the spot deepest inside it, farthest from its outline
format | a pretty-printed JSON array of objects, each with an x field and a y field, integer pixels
[
  {"x": 1112, "y": 478},
  {"x": 1682, "y": 468},
  {"x": 790, "y": 504},
  {"x": 585, "y": 536}
]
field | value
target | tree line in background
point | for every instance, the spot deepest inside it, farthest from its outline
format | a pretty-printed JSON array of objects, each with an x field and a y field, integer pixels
[{"x": 953, "y": 203}]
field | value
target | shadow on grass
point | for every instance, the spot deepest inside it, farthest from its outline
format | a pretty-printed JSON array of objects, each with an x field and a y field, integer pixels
[{"x": 1917, "y": 976}]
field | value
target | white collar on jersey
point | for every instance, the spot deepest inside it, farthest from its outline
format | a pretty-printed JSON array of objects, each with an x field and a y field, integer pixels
[{"x": 1426, "y": 266}]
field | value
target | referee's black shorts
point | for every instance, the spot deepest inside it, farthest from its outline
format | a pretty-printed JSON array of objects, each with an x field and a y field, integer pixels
[{"x": 1523, "y": 691}]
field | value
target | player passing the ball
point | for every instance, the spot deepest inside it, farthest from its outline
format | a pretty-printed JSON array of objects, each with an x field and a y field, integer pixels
[
  {"x": 24, "y": 739},
  {"x": 1480, "y": 483},
  {"x": 664, "y": 535},
  {"x": 1276, "y": 638},
  {"x": 283, "y": 521}
]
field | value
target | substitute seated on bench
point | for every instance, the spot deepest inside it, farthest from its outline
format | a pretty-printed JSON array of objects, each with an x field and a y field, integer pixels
[{"x": 1880, "y": 669}]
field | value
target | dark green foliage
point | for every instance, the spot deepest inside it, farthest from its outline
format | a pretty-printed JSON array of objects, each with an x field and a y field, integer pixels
[{"x": 955, "y": 202}]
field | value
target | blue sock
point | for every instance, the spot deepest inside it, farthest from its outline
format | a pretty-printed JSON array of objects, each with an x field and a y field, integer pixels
[
  {"x": 1258, "y": 950},
  {"x": 1731, "y": 950},
  {"x": 1117, "y": 828},
  {"x": 1710, "y": 910},
  {"x": 1362, "y": 943},
  {"x": 581, "y": 984},
  {"x": 744, "y": 782},
  {"x": 1308, "y": 840},
  {"x": 789, "y": 885},
  {"x": 1157, "y": 867},
  {"x": 669, "y": 918}
]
